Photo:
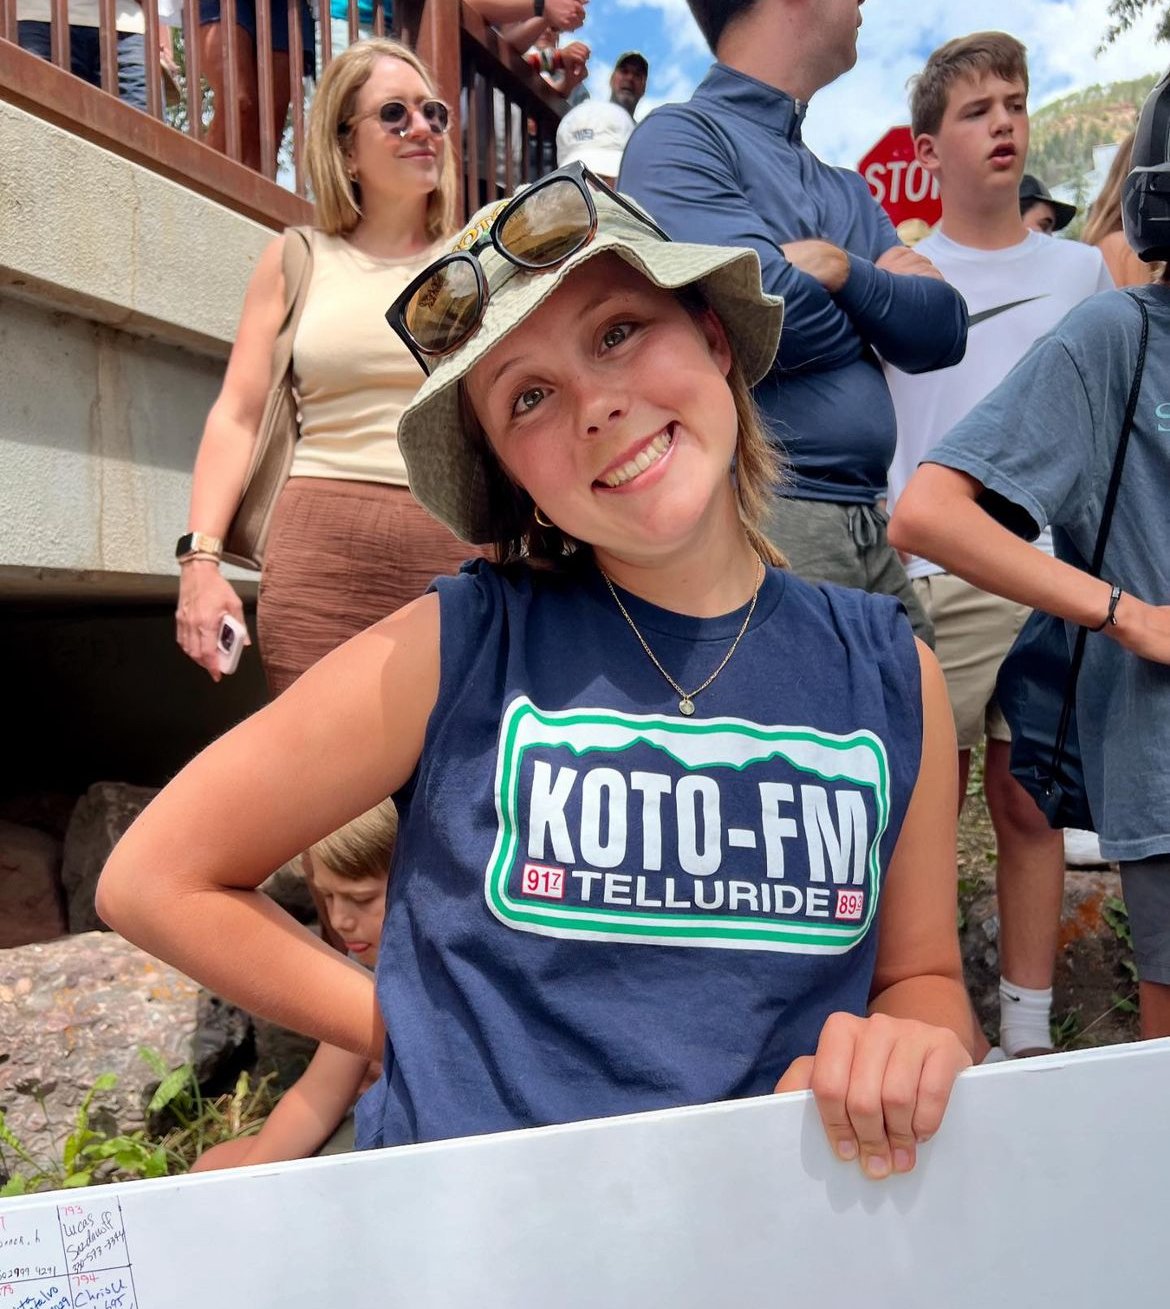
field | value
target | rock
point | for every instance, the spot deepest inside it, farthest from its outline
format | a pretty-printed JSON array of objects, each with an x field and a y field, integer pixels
[
  {"x": 32, "y": 907},
  {"x": 281, "y": 1052},
  {"x": 1093, "y": 964},
  {"x": 100, "y": 817},
  {"x": 47, "y": 811},
  {"x": 82, "y": 1006}
]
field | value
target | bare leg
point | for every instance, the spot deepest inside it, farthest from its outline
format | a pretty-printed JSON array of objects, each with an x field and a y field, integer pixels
[
  {"x": 212, "y": 51},
  {"x": 964, "y": 774},
  {"x": 1154, "y": 999},
  {"x": 981, "y": 1045},
  {"x": 282, "y": 86},
  {"x": 1029, "y": 876}
]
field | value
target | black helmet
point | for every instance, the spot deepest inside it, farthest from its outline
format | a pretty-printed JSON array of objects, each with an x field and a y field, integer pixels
[{"x": 1145, "y": 198}]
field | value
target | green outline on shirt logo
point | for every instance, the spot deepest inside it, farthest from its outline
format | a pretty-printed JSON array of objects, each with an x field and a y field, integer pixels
[{"x": 862, "y": 759}]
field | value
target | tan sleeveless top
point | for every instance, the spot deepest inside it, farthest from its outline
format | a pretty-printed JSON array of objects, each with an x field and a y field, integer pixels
[{"x": 353, "y": 375}]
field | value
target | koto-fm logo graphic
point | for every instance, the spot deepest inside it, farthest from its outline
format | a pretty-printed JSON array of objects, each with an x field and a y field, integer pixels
[{"x": 717, "y": 833}]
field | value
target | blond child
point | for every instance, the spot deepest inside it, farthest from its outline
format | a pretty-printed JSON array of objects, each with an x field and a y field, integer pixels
[{"x": 350, "y": 870}]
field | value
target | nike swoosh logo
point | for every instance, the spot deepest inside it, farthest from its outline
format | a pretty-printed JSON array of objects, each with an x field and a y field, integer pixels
[{"x": 985, "y": 314}]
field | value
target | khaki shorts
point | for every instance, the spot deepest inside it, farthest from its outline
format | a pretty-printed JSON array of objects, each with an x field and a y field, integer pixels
[{"x": 973, "y": 630}]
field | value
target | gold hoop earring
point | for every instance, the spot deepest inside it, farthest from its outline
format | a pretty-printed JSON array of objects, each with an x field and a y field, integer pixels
[{"x": 541, "y": 521}]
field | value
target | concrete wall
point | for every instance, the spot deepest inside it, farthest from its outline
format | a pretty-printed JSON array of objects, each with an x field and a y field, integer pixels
[{"x": 119, "y": 297}]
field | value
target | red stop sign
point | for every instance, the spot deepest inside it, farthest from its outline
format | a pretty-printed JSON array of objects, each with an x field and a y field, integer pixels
[{"x": 898, "y": 182}]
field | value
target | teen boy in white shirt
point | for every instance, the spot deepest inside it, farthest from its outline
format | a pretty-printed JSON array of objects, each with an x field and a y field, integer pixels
[{"x": 969, "y": 115}]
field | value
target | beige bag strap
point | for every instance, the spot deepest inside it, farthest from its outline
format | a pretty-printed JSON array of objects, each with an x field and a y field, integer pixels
[{"x": 297, "y": 264}]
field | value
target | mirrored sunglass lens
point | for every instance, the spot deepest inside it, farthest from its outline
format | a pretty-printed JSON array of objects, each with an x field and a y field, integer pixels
[
  {"x": 393, "y": 114},
  {"x": 396, "y": 115},
  {"x": 437, "y": 115},
  {"x": 445, "y": 308},
  {"x": 547, "y": 226}
]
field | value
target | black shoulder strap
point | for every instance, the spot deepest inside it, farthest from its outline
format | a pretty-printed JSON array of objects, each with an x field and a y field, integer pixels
[
  {"x": 1123, "y": 440},
  {"x": 1070, "y": 691}
]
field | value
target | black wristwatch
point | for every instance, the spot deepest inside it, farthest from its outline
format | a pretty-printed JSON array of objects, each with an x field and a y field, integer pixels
[
  {"x": 191, "y": 543},
  {"x": 538, "y": 8}
]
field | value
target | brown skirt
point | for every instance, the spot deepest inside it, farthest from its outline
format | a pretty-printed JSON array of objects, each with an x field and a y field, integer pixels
[{"x": 342, "y": 555}]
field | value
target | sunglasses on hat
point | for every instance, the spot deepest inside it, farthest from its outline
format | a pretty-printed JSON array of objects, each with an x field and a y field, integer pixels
[{"x": 538, "y": 229}]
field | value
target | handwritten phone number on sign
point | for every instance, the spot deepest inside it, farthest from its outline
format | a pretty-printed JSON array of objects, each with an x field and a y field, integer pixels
[{"x": 80, "y": 1258}]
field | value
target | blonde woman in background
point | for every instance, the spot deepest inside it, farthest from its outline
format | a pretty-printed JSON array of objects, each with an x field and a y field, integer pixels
[
  {"x": 349, "y": 544},
  {"x": 1103, "y": 227}
]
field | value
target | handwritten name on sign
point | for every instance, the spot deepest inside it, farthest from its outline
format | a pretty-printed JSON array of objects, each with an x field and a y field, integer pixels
[{"x": 66, "y": 1256}]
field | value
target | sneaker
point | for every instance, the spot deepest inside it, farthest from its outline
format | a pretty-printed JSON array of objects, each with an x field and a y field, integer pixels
[
  {"x": 994, "y": 1056},
  {"x": 1082, "y": 849}
]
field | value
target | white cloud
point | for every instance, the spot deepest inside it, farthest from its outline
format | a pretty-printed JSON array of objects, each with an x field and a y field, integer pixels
[
  {"x": 845, "y": 119},
  {"x": 1061, "y": 35},
  {"x": 679, "y": 28}
]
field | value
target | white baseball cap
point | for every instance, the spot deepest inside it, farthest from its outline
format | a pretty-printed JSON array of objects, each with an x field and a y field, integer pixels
[{"x": 595, "y": 132}]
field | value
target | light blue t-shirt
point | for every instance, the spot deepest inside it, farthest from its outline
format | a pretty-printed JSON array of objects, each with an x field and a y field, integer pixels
[
  {"x": 1044, "y": 442},
  {"x": 339, "y": 9}
]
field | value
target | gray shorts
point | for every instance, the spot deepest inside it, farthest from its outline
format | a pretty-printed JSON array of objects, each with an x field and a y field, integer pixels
[
  {"x": 827, "y": 541},
  {"x": 1145, "y": 884}
]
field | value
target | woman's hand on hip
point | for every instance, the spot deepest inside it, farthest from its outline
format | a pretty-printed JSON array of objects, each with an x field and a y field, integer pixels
[
  {"x": 881, "y": 1086},
  {"x": 204, "y": 597}
]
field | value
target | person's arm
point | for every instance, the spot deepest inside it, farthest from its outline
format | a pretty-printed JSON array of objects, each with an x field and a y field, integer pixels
[
  {"x": 898, "y": 301},
  {"x": 939, "y": 517},
  {"x": 182, "y": 883},
  {"x": 564, "y": 15},
  {"x": 677, "y": 168},
  {"x": 1036, "y": 451},
  {"x": 520, "y": 36},
  {"x": 305, "y": 1117},
  {"x": 166, "y": 50},
  {"x": 575, "y": 59},
  {"x": 882, "y": 1082},
  {"x": 224, "y": 455},
  {"x": 901, "y": 306}
]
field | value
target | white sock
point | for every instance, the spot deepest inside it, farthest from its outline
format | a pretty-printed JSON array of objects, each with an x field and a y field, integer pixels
[{"x": 1023, "y": 1018}]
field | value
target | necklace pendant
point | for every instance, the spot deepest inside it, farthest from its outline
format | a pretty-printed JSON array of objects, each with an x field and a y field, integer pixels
[{"x": 686, "y": 706}]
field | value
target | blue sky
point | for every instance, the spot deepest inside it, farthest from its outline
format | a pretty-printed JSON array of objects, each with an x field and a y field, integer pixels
[{"x": 846, "y": 118}]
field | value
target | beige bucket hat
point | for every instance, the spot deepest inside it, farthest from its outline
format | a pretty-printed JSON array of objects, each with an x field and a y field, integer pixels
[{"x": 443, "y": 463}]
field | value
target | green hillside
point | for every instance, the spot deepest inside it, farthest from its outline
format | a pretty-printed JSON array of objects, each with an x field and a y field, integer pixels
[{"x": 1065, "y": 132}]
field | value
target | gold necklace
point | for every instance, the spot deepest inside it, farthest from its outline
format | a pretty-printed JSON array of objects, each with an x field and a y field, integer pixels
[{"x": 686, "y": 704}]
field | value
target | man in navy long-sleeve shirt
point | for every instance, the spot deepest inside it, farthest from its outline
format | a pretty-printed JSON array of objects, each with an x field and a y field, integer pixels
[{"x": 730, "y": 168}]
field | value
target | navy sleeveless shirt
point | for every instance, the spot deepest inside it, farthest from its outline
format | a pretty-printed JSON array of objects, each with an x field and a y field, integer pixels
[{"x": 599, "y": 906}]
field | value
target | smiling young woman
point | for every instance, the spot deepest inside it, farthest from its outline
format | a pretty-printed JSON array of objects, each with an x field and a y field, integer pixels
[{"x": 675, "y": 825}]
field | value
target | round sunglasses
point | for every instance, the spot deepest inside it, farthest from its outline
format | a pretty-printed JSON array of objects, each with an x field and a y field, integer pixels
[
  {"x": 536, "y": 230},
  {"x": 396, "y": 116}
]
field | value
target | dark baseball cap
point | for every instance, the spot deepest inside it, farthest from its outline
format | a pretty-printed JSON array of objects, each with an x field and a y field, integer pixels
[
  {"x": 1033, "y": 189},
  {"x": 633, "y": 57}
]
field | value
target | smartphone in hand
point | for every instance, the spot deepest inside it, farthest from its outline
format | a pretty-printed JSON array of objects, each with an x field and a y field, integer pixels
[{"x": 230, "y": 643}]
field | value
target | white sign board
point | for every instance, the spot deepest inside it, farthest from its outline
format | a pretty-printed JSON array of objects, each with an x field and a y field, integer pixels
[{"x": 1046, "y": 1186}]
